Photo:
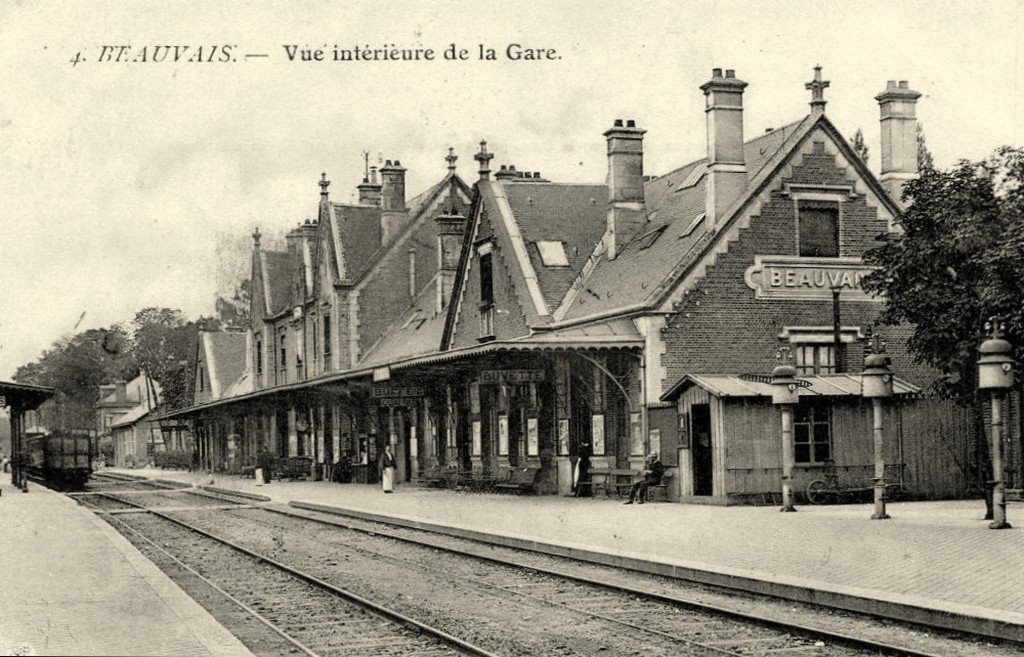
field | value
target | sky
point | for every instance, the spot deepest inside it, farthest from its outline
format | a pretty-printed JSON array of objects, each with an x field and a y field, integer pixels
[{"x": 125, "y": 185}]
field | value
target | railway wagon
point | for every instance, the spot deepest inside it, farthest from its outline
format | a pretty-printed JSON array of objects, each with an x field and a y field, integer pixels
[{"x": 63, "y": 460}]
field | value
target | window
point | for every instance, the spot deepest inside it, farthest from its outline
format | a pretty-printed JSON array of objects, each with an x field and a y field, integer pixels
[
  {"x": 819, "y": 228},
  {"x": 812, "y": 433},
  {"x": 552, "y": 254},
  {"x": 202, "y": 382},
  {"x": 300, "y": 345},
  {"x": 815, "y": 359},
  {"x": 327, "y": 339},
  {"x": 486, "y": 297},
  {"x": 486, "y": 280},
  {"x": 284, "y": 350},
  {"x": 259, "y": 357}
]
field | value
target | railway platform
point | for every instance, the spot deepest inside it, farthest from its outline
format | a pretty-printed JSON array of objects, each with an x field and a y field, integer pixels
[
  {"x": 72, "y": 585},
  {"x": 937, "y": 558}
]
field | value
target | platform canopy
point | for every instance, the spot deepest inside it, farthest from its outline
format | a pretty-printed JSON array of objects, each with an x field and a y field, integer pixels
[
  {"x": 815, "y": 385},
  {"x": 23, "y": 396}
]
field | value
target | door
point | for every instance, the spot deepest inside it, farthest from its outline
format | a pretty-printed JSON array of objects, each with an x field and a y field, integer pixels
[{"x": 703, "y": 464}]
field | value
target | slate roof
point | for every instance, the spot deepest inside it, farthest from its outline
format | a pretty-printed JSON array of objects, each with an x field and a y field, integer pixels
[
  {"x": 572, "y": 214},
  {"x": 131, "y": 417},
  {"x": 279, "y": 268},
  {"x": 675, "y": 236},
  {"x": 358, "y": 229},
  {"x": 226, "y": 358},
  {"x": 416, "y": 332}
]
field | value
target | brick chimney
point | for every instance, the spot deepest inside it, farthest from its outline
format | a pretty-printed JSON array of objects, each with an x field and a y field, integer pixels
[
  {"x": 393, "y": 211},
  {"x": 626, "y": 211},
  {"x": 898, "y": 107},
  {"x": 450, "y": 228},
  {"x": 370, "y": 189},
  {"x": 727, "y": 171}
]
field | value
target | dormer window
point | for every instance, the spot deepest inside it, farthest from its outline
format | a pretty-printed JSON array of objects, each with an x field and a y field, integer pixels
[{"x": 818, "y": 228}]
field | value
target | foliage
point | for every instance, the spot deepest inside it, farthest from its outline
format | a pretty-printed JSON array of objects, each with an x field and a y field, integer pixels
[
  {"x": 164, "y": 346},
  {"x": 859, "y": 146},
  {"x": 925, "y": 161},
  {"x": 233, "y": 313},
  {"x": 957, "y": 262},
  {"x": 75, "y": 367},
  {"x": 173, "y": 458}
]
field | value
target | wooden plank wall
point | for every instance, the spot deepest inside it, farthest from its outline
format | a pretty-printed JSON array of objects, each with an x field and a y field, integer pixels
[{"x": 937, "y": 438}]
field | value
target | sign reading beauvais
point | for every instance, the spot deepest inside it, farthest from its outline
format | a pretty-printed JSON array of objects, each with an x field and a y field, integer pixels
[{"x": 793, "y": 277}]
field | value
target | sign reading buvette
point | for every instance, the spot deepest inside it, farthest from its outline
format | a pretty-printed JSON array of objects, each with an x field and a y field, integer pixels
[{"x": 794, "y": 277}]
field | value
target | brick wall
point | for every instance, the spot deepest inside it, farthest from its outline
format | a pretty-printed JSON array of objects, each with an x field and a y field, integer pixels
[{"x": 720, "y": 327}]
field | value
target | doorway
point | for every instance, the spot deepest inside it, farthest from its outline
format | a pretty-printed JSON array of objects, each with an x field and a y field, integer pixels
[{"x": 703, "y": 463}]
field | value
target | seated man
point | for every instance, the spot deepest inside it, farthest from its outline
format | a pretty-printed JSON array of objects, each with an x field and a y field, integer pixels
[{"x": 651, "y": 477}]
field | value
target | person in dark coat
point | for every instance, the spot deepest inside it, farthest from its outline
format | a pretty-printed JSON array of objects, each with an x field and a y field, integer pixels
[
  {"x": 387, "y": 470},
  {"x": 651, "y": 477}
]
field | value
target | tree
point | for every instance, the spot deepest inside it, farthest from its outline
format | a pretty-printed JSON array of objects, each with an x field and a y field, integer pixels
[
  {"x": 924, "y": 156},
  {"x": 163, "y": 344},
  {"x": 957, "y": 262},
  {"x": 859, "y": 147},
  {"x": 75, "y": 367},
  {"x": 233, "y": 313}
]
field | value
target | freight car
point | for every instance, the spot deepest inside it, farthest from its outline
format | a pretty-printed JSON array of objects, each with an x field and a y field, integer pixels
[{"x": 62, "y": 460}]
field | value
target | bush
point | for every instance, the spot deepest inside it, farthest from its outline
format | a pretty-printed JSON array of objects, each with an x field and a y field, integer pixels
[{"x": 173, "y": 458}]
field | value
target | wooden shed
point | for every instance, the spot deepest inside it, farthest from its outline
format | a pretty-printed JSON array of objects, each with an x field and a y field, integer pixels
[{"x": 730, "y": 449}]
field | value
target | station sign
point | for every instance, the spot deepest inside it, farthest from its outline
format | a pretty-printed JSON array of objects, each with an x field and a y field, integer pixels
[
  {"x": 795, "y": 277},
  {"x": 511, "y": 376},
  {"x": 386, "y": 390}
]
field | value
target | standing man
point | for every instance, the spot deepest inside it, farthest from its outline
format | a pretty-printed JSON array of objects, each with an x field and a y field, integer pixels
[
  {"x": 387, "y": 469},
  {"x": 651, "y": 477}
]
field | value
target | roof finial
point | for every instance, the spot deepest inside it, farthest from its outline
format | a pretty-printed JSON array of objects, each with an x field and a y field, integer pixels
[
  {"x": 324, "y": 184},
  {"x": 484, "y": 158},
  {"x": 995, "y": 327},
  {"x": 450, "y": 159},
  {"x": 817, "y": 87},
  {"x": 256, "y": 238}
]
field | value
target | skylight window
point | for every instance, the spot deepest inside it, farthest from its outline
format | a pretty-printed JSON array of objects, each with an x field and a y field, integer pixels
[
  {"x": 693, "y": 224},
  {"x": 552, "y": 254},
  {"x": 694, "y": 177},
  {"x": 645, "y": 241}
]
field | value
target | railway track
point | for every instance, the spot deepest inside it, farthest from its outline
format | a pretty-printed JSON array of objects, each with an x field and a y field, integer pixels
[
  {"x": 345, "y": 551},
  {"x": 311, "y": 615}
]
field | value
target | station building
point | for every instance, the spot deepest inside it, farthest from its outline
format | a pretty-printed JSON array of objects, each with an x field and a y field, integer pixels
[{"x": 529, "y": 325}]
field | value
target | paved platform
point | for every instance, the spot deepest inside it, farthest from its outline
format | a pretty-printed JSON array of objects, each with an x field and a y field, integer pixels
[
  {"x": 71, "y": 585},
  {"x": 933, "y": 555}
]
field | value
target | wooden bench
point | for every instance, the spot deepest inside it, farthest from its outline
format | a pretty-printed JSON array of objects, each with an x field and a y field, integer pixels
[
  {"x": 662, "y": 488},
  {"x": 595, "y": 477},
  {"x": 296, "y": 467},
  {"x": 521, "y": 480},
  {"x": 433, "y": 476},
  {"x": 614, "y": 481}
]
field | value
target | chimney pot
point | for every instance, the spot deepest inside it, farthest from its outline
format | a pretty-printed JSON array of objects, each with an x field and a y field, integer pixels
[
  {"x": 730, "y": 73},
  {"x": 397, "y": 163},
  {"x": 536, "y": 174},
  {"x": 631, "y": 123},
  {"x": 618, "y": 123},
  {"x": 891, "y": 84},
  {"x": 511, "y": 167},
  {"x": 716, "y": 72},
  {"x": 903, "y": 84}
]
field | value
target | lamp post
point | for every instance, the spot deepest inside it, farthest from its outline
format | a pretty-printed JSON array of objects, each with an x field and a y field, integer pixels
[
  {"x": 876, "y": 385},
  {"x": 784, "y": 395},
  {"x": 995, "y": 373}
]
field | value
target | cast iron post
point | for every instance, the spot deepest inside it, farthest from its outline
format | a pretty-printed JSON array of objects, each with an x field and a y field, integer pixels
[{"x": 995, "y": 373}]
